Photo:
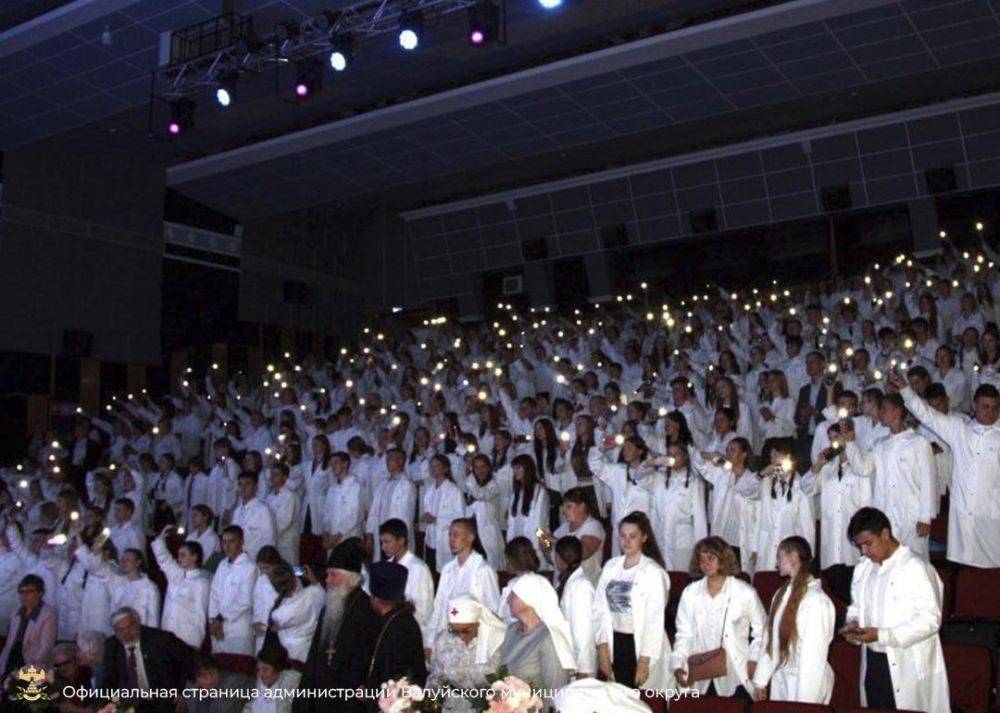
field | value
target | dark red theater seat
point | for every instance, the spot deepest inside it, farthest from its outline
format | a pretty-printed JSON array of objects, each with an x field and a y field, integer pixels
[
  {"x": 845, "y": 660},
  {"x": 976, "y": 595},
  {"x": 970, "y": 673},
  {"x": 767, "y": 584},
  {"x": 789, "y": 707},
  {"x": 238, "y": 663},
  {"x": 703, "y": 704}
]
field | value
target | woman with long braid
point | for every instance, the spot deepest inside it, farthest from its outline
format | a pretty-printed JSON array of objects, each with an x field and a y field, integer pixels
[{"x": 800, "y": 629}]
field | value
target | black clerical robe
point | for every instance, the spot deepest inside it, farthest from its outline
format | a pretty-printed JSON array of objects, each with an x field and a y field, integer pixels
[
  {"x": 399, "y": 651},
  {"x": 345, "y": 665}
]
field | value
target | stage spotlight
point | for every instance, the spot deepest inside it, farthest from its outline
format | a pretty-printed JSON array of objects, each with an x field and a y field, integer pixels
[
  {"x": 287, "y": 30},
  {"x": 411, "y": 29},
  {"x": 340, "y": 51},
  {"x": 181, "y": 116},
  {"x": 225, "y": 89},
  {"x": 550, "y": 4},
  {"x": 484, "y": 21},
  {"x": 325, "y": 21},
  {"x": 309, "y": 77}
]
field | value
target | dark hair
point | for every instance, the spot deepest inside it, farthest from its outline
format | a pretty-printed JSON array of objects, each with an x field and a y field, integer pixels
[
  {"x": 282, "y": 578},
  {"x": 234, "y": 530},
  {"x": 268, "y": 554},
  {"x": 524, "y": 490},
  {"x": 203, "y": 663},
  {"x": 247, "y": 475},
  {"x": 521, "y": 556},
  {"x": 935, "y": 391},
  {"x": 196, "y": 551},
  {"x": 570, "y": 551},
  {"x": 684, "y": 436},
  {"x": 32, "y": 581},
  {"x": 394, "y": 527},
  {"x": 545, "y": 453},
  {"x": 204, "y": 510},
  {"x": 870, "y": 520},
  {"x": 482, "y": 457},
  {"x": 649, "y": 547},
  {"x": 986, "y": 391},
  {"x": 581, "y": 496},
  {"x": 445, "y": 462},
  {"x": 325, "y": 461},
  {"x": 139, "y": 556},
  {"x": 274, "y": 655},
  {"x": 126, "y": 503},
  {"x": 469, "y": 523}
]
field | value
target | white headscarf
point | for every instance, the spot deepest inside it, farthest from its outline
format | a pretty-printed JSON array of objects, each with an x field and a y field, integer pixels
[
  {"x": 588, "y": 695},
  {"x": 468, "y": 610},
  {"x": 537, "y": 592}
]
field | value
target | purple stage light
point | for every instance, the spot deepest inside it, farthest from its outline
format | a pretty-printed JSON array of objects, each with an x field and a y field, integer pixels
[
  {"x": 174, "y": 128},
  {"x": 301, "y": 89},
  {"x": 477, "y": 37}
]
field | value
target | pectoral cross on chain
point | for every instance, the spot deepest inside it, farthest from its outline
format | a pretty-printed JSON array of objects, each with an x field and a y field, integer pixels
[{"x": 329, "y": 655}]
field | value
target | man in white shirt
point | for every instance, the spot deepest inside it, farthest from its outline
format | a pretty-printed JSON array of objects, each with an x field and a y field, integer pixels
[
  {"x": 230, "y": 600},
  {"x": 125, "y": 533},
  {"x": 395, "y": 497},
  {"x": 974, "y": 517},
  {"x": 468, "y": 573},
  {"x": 253, "y": 516},
  {"x": 895, "y": 614},
  {"x": 342, "y": 509},
  {"x": 419, "y": 582},
  {"x": 905, "y": 475},
  {"x": 284, "y": 505}
]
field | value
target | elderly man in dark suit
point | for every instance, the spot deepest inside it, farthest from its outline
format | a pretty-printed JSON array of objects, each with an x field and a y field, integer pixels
[{"x": 145, "y": 658}]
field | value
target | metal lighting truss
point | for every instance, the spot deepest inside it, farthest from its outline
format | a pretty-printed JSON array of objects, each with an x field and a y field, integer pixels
[{"x": 200, "y": 55}]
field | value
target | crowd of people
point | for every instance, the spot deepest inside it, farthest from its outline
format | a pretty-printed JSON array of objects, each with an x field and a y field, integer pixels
[{"x": 453, "y": 503}]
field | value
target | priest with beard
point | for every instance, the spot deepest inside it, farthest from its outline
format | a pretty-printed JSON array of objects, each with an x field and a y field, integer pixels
[
  {"x": 399, "y": 643},
  {"x": 341, "y": 649}
]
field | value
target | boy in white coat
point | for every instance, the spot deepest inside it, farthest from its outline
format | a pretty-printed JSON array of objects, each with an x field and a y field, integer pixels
[{"x": 895, "y": 614}]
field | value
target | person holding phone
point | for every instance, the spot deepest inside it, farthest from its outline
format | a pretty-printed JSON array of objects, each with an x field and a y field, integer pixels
[{"x": 895, "y": 614}]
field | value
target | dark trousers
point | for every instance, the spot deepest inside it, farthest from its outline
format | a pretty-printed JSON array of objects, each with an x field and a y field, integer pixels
[
  {"x": 555, "y": 505},
  {"x": 878, "y": 681},
  {"x": 430, "y": 558},
  {"x": 624, "y": 663},
  {"x": 740, "y": 694}
]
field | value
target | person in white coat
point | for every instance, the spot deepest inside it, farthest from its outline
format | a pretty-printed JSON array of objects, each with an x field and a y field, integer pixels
[
  {"x": 735, "y": 502},
  {"x": 253, "y": 516},
  {"x": 230, "y": 604},
  {"x": 101, "y": 562},
  {"x": 719, "y": 611},
  {"x": 317, "y": 481},
  {"x": 629, "y": 482},
  {"x": 895, "y": 614},
  {"x": 284, "y": 503},
  {"x": 974, "y": 508},
  {"x": 484, "y": 502},
  {"x": 468, "y": 573},
  {"x": 442, "y": 503},
  {"x": 800, "y": 629},
  {"x": 295, "y": 612},
  {"x": 529, "y": 508},
  {"x": 132, "y": 588},
  {"x": 679, "y": 518},
  {"x": 842, "y": 493},
  {"x": 576, "y": 599},
  {"x": 264, "y": 594},
  {"x": 785, "y": 510},
  {"x": 185, "y": 606},
  {"x": 394, "y": 497},
  {"x": 276, "y": 682},
  {"x": 629, "y": 604},
  {"x": 905, "y": 476},
  {"x": 343, "y": 511},
  {"x": 419, "y": 581}
]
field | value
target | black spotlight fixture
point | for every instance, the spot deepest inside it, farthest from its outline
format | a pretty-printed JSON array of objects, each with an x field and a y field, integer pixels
[
  {"x": 181, "y": 116},
  {"x": 411, "y": 29},
  {"x": 308, "y": 77},
  {"x": 225, "y": 88},
  {"x": 484, "y": 23},
  {"x": 341, "y": 48},
  {"x": 324, "y": 21},
  {"x": 287, "y": 30}
]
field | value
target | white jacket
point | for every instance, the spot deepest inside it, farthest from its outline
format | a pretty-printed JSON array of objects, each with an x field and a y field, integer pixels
[
  {"x": 577, "y": 606},
  {"x": 521, "y": 525},
  {"x": 185, "y": 606},
  {"x": 734, "y": 619},
  {"x": 905, "y": 486},
  {"x": 393, "y": 498},
  {"x": 974, "y": 511},
  {"x": 678, "y": 517},
  {"x": 475, "y": 577},
  {"x": 782, "y": 515},
  {"x": 902, "y": 599},
  {"x": 295, "y": 620},
  {"x": 446, "y": 503},
  {"x": 648, "y": 600},
  {"x": 231, "y": 598},
  {"x": 842, "y": 493},
  {"x": 285, "y": 505},
  {"x": 257, "y": 521},
  {"x": 342, "y": 511},
  {"x": 806, "y": 677},
  {"x": 419, "y": 592}
]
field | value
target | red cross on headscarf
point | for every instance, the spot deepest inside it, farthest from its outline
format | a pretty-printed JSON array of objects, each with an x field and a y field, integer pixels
[{"x": 454, "y": 612}]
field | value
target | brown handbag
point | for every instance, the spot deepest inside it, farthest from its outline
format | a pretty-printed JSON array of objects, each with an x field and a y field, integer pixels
[{"x": 709, "y": 664}]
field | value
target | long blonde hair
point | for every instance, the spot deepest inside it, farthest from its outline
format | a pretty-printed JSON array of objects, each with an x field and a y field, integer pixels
[{"x": 787, "y": 629}]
